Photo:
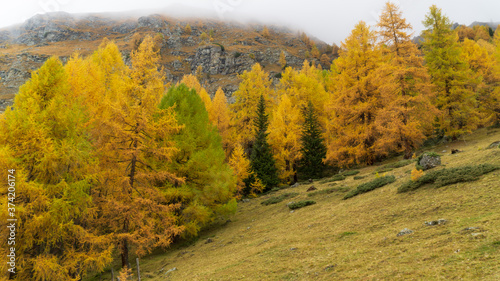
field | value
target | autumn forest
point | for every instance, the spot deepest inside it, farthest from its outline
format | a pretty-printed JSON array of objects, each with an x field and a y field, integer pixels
[{"x": 113, "y": 161}]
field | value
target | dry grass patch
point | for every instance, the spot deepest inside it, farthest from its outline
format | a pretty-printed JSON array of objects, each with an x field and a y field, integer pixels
[{"x": 355, "y": 239}]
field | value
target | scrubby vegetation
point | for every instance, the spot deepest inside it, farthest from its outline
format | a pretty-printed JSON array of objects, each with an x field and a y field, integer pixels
[
  {"x": 280, "y": 198},
  {"x": 338, "y": 177},
  {"x": 328, "y": 191},
  {"x": 350, "y": 173},
  {"x": 301, "y": 204},
  {"x": 444, "y": 177},
  {"x": 371, "y": 185}
]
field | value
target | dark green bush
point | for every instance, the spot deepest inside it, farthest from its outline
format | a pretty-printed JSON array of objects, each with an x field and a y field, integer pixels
[
  {"x": 301, "y": 204},
  {"x": 359, "y": 177},
  {"x": 371, "y": 185},
  {"x": 449, "y": 176},
  {"x": 237, "y": 55},
  {"x": 277, "y": 199}
]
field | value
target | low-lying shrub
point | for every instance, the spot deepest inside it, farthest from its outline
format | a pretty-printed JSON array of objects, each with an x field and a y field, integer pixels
[
  {"x": 277, "y": 199},
  {"x": 350, "y": 173},
  {"x": 339, "y": 177},
  {"x": 359, "y": 177},
  {"x": 328, "y": 191},
  {"x": 371, "y": 185},
  {"x": 449, "y": 176},
  {"x": 300, "y": 204}
]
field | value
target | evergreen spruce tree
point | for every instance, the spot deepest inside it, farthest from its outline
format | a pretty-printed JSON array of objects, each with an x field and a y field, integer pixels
[
  {"x": 262, "y": 160},
  {"x": 313, "y": 148}
]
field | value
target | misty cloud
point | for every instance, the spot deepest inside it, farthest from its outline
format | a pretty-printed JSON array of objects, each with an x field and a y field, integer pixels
[{"x": 330, "y": 21}]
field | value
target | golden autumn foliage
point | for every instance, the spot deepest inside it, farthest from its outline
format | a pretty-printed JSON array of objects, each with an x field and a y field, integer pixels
[
  {"x": 450, "y": 75},
  {"x": 193, "y": 82},
  {"x": 187, "y": 29},
  {"x": 254, "y": 84},
  {"x": 351, "y": 132},
  {"x": 284, "y": 137},
  {"x": 241, "y": 168},
  {"x": 131, "y": 138},
  {"x": 47, "y": 143},
  {"x": 405, "y": 88},
  {"x": 221, "y": 119},
  {"x": 282, "y": 60},
  {"x": 265, "y": 33},
  {"x": 416, "y": 174}
]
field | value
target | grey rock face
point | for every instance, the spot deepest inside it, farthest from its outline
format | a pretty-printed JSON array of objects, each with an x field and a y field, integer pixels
[{"x": 152, "y": 21}]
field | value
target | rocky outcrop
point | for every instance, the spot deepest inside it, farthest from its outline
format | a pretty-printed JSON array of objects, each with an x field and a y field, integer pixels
[{"x": 233, "y": 48}]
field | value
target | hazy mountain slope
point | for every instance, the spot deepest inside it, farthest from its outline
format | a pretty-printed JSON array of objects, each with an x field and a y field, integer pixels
[{"x": 233, "y": 47}]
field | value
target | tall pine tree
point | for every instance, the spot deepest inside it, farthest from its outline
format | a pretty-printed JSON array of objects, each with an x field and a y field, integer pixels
[
  {"x": 262, "y": 160},
  {"x": 313, "y": 148}
]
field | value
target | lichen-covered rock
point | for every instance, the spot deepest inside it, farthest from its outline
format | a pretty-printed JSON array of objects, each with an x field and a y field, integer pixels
[
  {"x": 404, "y": 232},
  {"x": 429, "y": 160}
]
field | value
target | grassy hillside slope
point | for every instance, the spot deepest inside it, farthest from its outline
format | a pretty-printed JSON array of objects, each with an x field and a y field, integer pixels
[{"x": 356, "y": 239}]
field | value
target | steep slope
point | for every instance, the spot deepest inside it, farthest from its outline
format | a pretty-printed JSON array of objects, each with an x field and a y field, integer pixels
[
  {"x": 355, "y": 239},
  {"x": 222, "y": 49}
]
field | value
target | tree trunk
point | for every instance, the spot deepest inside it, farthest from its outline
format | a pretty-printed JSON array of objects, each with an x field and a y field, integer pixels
[{"x": 124, "y": 245}]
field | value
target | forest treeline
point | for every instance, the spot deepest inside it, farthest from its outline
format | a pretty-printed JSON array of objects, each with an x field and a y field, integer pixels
[{"x": 112, "y": 160}]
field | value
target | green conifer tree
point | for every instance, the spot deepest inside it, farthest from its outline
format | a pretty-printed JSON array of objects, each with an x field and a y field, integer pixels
[
  {"x": 209, "y": 181},
  {"x": 313, "y": 147},
  {"x": 262, "y": 160}
]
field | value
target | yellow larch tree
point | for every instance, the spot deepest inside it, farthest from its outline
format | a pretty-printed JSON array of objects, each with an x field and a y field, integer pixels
[
  {"x": 450, "y": 75},
  {"x": 303, "y": 86},
  {"x": 282, "y": 60},
  {"x": 241, "y": 169},
  {"x": 254, "y": 84},
  {"x": 221, "y": 119},
  {"x": 351, "y": 131},
  {"x": 265, "y": 33},
  {"x": 192, "y": 82},
  {"x": 47, "y": 154},
  {"x": 131, "y": 136},
  {"x": 485, "y": 79},
  {"x": 284, "y": 137},
  {"x": 404, "y": 86}
]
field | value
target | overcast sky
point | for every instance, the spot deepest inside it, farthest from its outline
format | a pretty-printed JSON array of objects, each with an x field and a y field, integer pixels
[{"x": 329, "y": 20}]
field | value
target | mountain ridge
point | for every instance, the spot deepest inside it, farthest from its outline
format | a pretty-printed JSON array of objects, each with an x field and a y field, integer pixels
[{"x": 223, "y": 49}]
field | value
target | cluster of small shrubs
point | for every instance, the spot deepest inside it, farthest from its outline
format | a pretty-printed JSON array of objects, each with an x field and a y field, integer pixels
[
  {"x": 237, "y": 55},
  {"x": 300, "y": 204},
  {"x": 449, "y": 176},
  {"x": 328, "y": 191},
  {"x": 277, "y": 199},
  {"x": 371, "y": 185},
  {"x": 359, "y": 177}
]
